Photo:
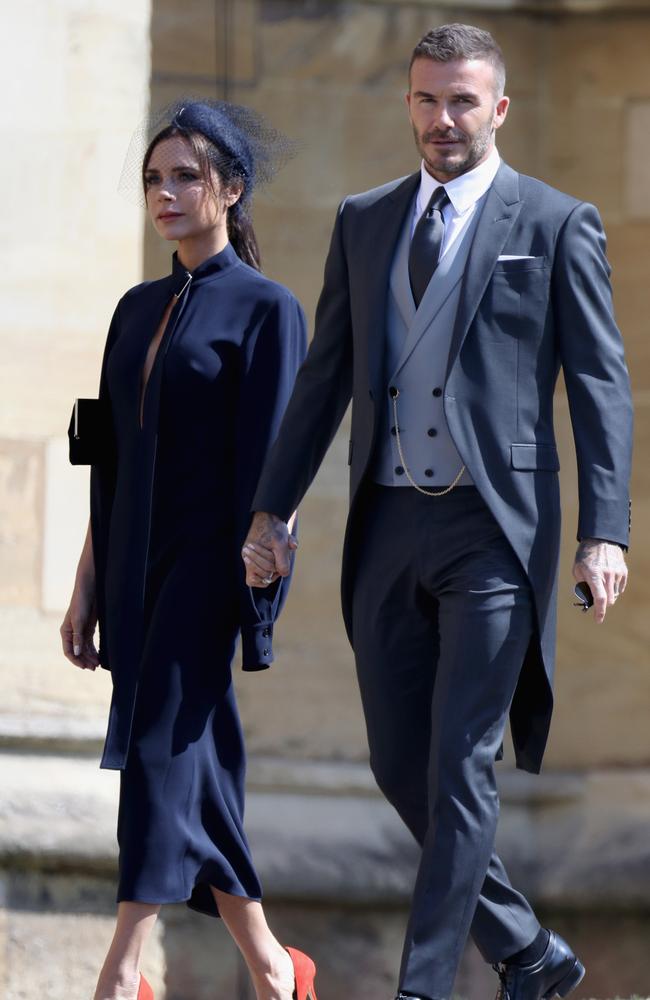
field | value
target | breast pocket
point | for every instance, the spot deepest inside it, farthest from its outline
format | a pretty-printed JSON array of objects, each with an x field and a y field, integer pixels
[
  {"x": 515, "y": 298},
  {"x": 518, "y": 265}
]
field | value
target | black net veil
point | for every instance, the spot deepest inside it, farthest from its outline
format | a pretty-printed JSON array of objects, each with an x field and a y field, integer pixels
[{"x": 241, "y": 143}]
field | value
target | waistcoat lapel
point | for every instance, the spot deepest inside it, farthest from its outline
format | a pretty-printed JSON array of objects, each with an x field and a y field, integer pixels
[{"x": 443, "y": 282}]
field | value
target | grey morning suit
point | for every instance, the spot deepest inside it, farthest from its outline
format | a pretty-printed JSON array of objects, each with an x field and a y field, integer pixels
[{"x": 450, "y": 602}]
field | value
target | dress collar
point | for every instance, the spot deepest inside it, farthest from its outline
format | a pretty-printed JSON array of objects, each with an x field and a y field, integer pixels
[
  {"x": 222, "y": 261},
  {"x": 464, "y": 191}
]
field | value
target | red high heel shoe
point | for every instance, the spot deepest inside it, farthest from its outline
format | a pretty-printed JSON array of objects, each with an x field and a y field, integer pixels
[
  {"x": 144, "y": 990},
  {"x": 304, "y": 971}
]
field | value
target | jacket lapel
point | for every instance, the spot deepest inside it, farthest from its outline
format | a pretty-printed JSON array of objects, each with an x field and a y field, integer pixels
[
  {"x": 500, "y": 211},
  {"x": 380, "y": 239}
]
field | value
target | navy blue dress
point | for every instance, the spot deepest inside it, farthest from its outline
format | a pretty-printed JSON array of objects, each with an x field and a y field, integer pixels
[{"x": 170, "y": 507}]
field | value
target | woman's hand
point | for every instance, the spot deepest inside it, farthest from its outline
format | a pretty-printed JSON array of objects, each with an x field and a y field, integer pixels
[{"x": 78, "y": 628}]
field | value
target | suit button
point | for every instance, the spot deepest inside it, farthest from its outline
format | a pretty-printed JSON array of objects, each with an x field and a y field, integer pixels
[
  {"x": 266, "y": 632},
  {"x": 393, "y": 392},
  {"x": 393, "y": 430},
  {"x": 432, "y": 432},
  {"x": 428, "y": 473},
  {"x": 265, "y": 652},
  {"x": 437, "y": 391},
  {"x": 399, "y": 471}
]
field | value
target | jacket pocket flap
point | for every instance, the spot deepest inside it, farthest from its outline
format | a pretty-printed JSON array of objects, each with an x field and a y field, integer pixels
[{"x": 529, "y": 457}]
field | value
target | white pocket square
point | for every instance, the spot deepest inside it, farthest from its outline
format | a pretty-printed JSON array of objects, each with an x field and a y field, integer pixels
[{"x": 515, "y": 256}]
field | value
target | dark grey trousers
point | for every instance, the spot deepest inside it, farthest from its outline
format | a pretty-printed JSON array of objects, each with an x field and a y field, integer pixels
[{"x": 442, "y": 618}]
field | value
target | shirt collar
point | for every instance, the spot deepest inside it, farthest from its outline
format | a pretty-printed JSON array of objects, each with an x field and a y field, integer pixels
[{"x": 463, "y": 191}]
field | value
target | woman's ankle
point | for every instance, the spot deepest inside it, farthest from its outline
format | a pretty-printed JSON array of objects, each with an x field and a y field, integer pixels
[
  {"x": 121, "y": 981},
  {"x": 272, "y": 961}
]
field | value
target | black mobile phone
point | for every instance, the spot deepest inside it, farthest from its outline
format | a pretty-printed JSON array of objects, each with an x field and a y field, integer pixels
[{"x": 584, "y": 595}]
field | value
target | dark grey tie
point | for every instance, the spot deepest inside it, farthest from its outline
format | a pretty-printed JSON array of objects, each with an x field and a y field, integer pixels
[{"x": 426, "y": 244}]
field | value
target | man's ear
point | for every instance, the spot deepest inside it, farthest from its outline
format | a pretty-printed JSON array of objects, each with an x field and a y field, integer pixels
[{"x": 500, "y": 111}]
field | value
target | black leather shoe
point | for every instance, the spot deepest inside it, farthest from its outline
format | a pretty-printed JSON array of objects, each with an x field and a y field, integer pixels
[{"x": 557, "y": 973}]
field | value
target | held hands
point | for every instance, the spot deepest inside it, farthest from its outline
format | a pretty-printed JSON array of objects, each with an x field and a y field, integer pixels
[
  {"x": 78, "y": 629},
  {"x": 267, "y": 549},
  {"x": 602, "y": 566}
]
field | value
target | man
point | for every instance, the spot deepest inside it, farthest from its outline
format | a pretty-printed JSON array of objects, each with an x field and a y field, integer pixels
[{"x": 451, "y": 299}]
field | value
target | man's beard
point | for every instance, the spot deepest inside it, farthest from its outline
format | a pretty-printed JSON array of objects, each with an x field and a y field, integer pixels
[{"x": 475, "y": 151}]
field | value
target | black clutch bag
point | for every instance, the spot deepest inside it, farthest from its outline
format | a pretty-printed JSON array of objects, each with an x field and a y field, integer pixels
[{"x": 89, "y": 433}]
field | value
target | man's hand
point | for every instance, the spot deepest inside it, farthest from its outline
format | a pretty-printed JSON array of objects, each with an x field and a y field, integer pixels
[
  {"x": 267, "y": 549},
  {"x": 602, "y": 566}
]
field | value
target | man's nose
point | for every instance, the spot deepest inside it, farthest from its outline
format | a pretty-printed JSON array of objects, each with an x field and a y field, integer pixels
[{"x": 443, "y": 118}]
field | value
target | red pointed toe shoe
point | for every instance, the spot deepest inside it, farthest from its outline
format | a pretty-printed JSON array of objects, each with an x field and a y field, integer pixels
[
  {"x": 304, "y": 971},
  {"x": 144, "y": 990}
]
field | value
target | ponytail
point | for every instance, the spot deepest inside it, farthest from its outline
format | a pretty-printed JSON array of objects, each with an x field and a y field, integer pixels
[{"x": 242, "y": 236}]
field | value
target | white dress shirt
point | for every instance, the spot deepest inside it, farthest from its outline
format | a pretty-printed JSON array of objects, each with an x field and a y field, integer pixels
[{"x": 464, "y": 193}]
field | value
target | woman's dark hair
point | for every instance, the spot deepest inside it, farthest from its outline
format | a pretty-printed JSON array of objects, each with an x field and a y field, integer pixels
[{"x": 215, "y": 159}]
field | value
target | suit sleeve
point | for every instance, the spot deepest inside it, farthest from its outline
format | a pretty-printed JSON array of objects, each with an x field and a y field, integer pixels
[
  {"x": 273, "y": 357},
  {"x": 320, "y": 397},
  {"x": 103, "y": 476},
  {"x": 597, "y": 381}
]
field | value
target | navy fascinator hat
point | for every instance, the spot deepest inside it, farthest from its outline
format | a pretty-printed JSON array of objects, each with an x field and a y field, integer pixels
[{"x": 241, "y": 143}]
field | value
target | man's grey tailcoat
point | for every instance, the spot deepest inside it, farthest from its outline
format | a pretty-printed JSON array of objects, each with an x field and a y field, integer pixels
[{"x": 518, "y": 321}]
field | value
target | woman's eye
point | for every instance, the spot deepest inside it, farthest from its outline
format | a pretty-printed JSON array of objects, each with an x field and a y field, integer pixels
[
  {"x": 187, "y": 175},
  {"x": 151, "y": 179}
]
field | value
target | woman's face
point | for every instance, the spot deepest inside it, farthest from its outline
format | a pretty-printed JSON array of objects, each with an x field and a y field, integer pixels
[{"x": 181, "y": 201}]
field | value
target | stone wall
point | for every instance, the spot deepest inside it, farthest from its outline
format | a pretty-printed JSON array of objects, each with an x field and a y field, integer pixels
[{"x": 79, "y": 78}]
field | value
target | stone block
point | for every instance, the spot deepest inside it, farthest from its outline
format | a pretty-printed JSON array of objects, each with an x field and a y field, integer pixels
[
  {"x": 77, "y": 236},
  {"x": 519, "y": 139},
  {"x": 56, "y": 934},
  {"x": 637, "y": 163},
  {"x": 574, "y": 158},
  {"x": 21, "y": 504},
  {"x": 360, "y": 44},
  {"x": 65, "y": 523},
  {"x": 36, "y": 680},
  {"x": 203, "y": 43},
  {"x": 602, "y": 687},
  {"x": 627, "y": 251},
  {"x": 596, "y": 60}
]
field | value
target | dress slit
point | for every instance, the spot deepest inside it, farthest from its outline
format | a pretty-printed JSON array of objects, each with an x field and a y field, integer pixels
[{"x": 151, "y": 356}]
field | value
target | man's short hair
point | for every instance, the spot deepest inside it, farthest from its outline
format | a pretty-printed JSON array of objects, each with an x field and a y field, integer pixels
[{"x": 462, "y": 41}]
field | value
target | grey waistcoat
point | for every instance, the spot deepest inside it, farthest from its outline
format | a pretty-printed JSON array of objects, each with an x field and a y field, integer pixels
[{"x": 415, "y": 361}]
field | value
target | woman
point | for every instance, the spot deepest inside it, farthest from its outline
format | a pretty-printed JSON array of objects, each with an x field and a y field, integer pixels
[{"x": 197, "y": 370}]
